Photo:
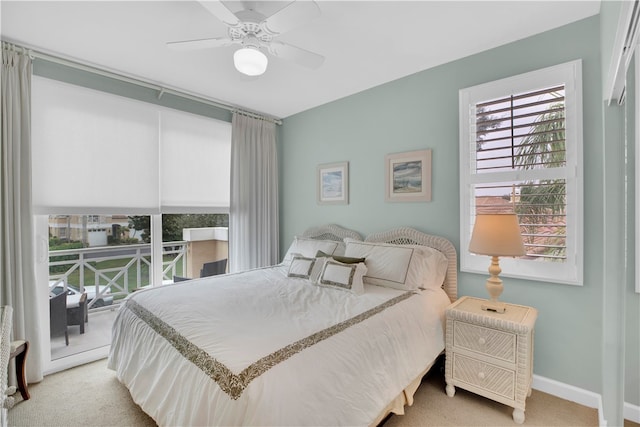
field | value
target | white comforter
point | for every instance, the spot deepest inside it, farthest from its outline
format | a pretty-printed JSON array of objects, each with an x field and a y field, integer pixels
[{"x": 258, "y": 348}]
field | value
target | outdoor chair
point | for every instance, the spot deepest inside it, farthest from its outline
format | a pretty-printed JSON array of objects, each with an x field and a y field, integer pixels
[
  {"x": 214, "y": 268},
  {"x": 78, "y": 315},
  {"x": 58, "y": 316}
]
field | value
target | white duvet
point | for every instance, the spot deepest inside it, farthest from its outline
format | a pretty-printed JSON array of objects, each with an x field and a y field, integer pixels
[{"x": 259, "y": 348}]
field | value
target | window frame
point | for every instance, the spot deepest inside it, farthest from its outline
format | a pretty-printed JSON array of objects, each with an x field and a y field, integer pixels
[{"x": 569, "y": 74}]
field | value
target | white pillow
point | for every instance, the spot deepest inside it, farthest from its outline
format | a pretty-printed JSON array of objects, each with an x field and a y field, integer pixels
[
  {"x": 347, "y": 277},
  {"x": 394, "y": 266},
  {"x": 305, "y": 268},
  {"x": 436, "y": 265},
  {"x": 309, "y": 247},
  {"x": 340, "y": 249}
]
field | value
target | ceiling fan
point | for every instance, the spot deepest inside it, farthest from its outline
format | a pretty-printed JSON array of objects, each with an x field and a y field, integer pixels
[{"x": 256, "y": 32}]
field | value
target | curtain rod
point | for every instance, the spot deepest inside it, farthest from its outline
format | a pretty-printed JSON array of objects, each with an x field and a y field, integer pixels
[{"x": 33, "y": 53}]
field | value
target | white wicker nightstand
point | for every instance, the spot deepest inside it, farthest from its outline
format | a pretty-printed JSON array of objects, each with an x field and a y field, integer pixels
[{"x": 490, "y": 354}]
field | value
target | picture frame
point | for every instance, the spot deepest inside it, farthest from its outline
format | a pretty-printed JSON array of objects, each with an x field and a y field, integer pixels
[
  {"x": 408, "y": 176},
  {"x": 333, "y": 183}
]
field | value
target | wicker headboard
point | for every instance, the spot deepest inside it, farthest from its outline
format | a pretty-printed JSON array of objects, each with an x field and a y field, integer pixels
[
  {"x": 331, "y": 232},
  {"x": 410, "y": 236}
]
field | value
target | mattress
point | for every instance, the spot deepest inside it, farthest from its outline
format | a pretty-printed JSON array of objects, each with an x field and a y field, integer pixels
[{"x": 261, "y": 348}]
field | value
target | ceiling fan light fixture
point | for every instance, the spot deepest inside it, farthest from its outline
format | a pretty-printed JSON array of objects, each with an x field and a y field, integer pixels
[{"x": 250, "y": 61}]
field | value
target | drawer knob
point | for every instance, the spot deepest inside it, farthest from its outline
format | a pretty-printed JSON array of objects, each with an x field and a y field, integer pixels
[
  {"x": 482, "y": 341},
  {"x": 481, "y": 375}
]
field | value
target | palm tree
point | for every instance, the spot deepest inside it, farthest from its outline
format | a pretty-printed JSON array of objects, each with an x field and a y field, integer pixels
[
  {"x": 485, "y": 123},
  {"x": 541, "y": 205}
]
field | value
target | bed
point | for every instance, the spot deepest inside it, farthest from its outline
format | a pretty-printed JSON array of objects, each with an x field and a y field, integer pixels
[{"x": 320, "y": 339}]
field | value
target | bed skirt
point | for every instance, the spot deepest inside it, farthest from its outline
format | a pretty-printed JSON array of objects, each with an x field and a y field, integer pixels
[{"x": 405, "y": 398}]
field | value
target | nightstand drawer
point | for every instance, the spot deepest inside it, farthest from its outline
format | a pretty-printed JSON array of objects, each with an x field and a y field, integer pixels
[
  {"x": 494, "y": 343},
  {"x": 485, "y": 376}
]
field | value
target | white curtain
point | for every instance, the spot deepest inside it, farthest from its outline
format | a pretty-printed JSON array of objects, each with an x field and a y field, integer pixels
[
  {"x": 253, "y": 221},
  {"x": 17, "y": 272}
]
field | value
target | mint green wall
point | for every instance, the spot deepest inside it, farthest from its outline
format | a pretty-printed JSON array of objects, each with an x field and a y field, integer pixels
[
  {"x": 78, "y": 77},
  {"x": 421, "y": 111}
]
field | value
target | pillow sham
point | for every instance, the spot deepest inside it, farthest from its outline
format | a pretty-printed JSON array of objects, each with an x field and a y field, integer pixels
[
  {"x": 394, "y": 266},
  {"x": 342, "y": 259},
  {"x": 436, "y": 265},
  {"x": 305, "y": 268},
  {"x": 309, "y": 247},
  {"x": 347, "y": 277}
]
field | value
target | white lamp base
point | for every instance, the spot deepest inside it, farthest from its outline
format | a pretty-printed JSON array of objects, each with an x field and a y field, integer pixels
[{"x": 494, "y": 287}]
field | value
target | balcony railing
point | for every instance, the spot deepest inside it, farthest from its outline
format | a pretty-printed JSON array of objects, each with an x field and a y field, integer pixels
[{"x": 110, "y": 273}]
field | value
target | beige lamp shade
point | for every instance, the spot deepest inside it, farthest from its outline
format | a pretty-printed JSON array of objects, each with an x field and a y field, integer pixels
[{"x": 496, "y": 235}]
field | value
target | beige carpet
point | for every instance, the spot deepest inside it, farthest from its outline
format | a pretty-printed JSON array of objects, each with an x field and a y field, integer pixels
[{"x": 90, "y": 395}]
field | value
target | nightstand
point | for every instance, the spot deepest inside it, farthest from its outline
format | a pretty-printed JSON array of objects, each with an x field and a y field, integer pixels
[{"x": 490, "y": 354}]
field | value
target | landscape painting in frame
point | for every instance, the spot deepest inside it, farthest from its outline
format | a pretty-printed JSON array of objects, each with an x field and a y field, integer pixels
[
  {"x": 408, "y": 176},
  {"x": 333, "y": 183}
]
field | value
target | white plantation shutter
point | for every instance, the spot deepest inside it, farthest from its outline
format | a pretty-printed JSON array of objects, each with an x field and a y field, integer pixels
[
  {"x": 521, "y": 152},
  {"x": 523, "y": 134}
]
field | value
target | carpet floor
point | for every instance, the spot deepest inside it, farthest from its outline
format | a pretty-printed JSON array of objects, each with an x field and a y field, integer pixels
[{"x": 90, "y": 395}]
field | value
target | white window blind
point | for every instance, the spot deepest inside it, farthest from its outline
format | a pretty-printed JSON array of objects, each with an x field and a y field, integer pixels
[
  {"x": 195, "y": 163},
  {"x": 98, "y": 153},
  {"x": 92, "y": 152},
  {"x": 521, "y": 151}
]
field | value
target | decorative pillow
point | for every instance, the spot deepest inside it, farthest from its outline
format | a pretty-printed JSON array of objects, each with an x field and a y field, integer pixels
[
  {"x": 394, "y": 266},
  {"x": 305, "y": 268},
  {"x": 309, "y": 247},
  {"x": 342, "y": 259},
  {"x": 347, "y": 277}
]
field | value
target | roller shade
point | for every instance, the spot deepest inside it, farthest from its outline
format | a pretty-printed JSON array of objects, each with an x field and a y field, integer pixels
[
  {"x": 98, "y": 153},
  {"x": 92, "y": 152},
  {"x": 195, "y": 159}
]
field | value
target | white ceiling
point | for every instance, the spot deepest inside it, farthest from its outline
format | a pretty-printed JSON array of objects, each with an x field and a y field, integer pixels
[{"x": 365, "y": 43}]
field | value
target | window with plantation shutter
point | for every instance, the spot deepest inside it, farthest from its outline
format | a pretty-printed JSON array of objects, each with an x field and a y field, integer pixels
[{"x": 521, "y": 151}]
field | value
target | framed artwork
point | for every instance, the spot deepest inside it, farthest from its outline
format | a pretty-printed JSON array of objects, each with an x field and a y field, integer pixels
[
  {"x": 333, "y": 183},
  {"x": 408, "y": 176}
]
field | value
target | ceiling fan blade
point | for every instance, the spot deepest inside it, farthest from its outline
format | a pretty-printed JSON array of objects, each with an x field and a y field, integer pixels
[
  {"x": 296, "y": 54},
  {"x": 199, "y": 44},
  {"x": 293, "y": 15},
  {"x": 220, "y": 11}
]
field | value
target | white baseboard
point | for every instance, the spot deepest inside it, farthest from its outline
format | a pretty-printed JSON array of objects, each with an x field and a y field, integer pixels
[
  {"x": 568, "y": 392},
  {"x": 632, "y": 412},
  {"x": 583, "y": 397}
]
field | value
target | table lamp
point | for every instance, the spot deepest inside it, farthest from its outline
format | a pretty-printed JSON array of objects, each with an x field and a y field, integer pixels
[{"x": 496, "y": 235}]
